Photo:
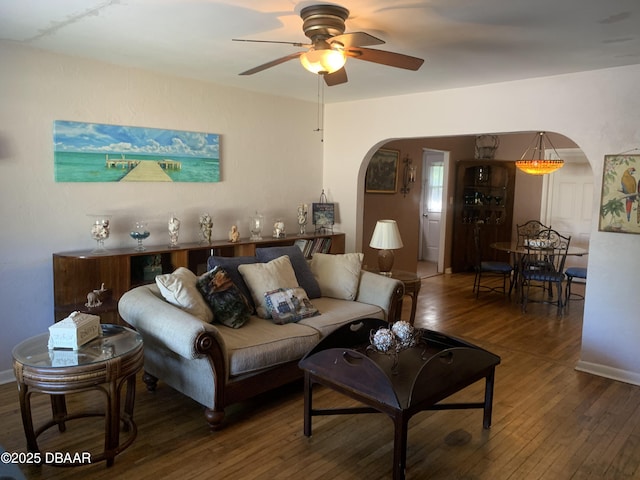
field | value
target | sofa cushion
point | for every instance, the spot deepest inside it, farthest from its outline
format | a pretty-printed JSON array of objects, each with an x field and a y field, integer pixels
[
  {"x": 266, "y": 277},
  {"x": 335, "y": 313},
  {"x": 225, "y": 299},
  {"x": 179, "y": 289},
  {"x": 304, "y": 275},
  {"x": 286, "y": 305},
  {"x": 262, "y": 344},
  {"x": 230, "y": 264},
  {"x": 338, "y": 275}
]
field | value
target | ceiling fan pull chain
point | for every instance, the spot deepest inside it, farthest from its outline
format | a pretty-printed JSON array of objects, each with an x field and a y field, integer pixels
[{"x": 320, "y": 119}]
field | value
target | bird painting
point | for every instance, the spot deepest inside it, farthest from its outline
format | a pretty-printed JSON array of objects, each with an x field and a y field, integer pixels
[{"x": 629, "y": 188}]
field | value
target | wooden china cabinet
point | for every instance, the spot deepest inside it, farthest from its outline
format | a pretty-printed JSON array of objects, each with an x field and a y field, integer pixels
[{"x": 483, "y": 197}]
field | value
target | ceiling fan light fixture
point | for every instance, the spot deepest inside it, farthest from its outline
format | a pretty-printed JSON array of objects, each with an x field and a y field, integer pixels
[
  {"x": 537, "y": 164},
  {"x": 323, "y": 61}
]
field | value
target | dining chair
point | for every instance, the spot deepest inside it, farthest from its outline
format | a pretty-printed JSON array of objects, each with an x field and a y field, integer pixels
[
  {"x": 543, "y": 265},
  {"x": 571, "y": 273},
  {"x": 489, "y": 269},
  {"x": 529, "y": 229}
]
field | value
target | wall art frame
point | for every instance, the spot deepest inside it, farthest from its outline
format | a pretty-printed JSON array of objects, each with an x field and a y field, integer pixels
[
  {"x": 619, "y": 200},
  {"x": 382, "y": 172},
  {"x": 95, "y": 152}
]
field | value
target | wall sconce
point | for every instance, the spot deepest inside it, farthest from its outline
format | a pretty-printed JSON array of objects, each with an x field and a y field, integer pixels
[{"x": 408, "y": 175}]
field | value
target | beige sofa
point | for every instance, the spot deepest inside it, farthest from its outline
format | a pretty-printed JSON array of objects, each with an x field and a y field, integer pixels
[{"x": 217, "y": 365}]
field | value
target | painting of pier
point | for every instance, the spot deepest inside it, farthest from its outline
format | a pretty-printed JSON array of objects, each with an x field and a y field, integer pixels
[{"x": 91, "y": 152}]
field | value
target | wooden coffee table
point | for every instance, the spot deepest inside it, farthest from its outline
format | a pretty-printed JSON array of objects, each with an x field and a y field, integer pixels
[
  {"x": 106, "y": 364},
  {"x": 426, "y": 374}
]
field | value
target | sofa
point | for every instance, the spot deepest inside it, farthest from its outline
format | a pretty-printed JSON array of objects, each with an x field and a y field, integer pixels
[{"x": 219, "y": 358}]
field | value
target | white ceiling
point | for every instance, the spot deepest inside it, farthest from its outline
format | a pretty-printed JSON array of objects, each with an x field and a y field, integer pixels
[{"x": 463, "y": 42}]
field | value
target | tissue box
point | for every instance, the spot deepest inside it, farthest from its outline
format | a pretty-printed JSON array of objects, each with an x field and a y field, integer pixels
[
  {"x": 63, "y": 358},
  {"x": 74, "y": 331}
]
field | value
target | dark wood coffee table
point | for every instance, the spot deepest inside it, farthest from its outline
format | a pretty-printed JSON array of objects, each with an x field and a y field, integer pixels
[{"x": 426, "y": 374}]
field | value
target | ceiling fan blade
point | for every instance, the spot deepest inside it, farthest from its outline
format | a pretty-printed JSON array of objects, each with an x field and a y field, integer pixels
[
  {"x": 356, "y": 39},
  {"x": 336, "y": 78},
  {"x": 295, "y": 44},
  {"x": 272, "y": 63},
  {"x": 383, "y": 57}
]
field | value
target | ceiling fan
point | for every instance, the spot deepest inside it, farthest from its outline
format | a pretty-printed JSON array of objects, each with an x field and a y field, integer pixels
[{"x": 330, "y": 46}]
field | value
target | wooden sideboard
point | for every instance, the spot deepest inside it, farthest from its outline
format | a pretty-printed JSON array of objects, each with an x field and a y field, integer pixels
[{"x": 77, "y": 273}]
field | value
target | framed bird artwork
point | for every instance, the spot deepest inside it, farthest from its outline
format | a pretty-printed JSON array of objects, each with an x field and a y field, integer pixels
[{"x": 620, "y": 199}]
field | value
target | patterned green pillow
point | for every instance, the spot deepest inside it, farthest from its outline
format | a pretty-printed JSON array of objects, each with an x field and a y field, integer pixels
[
  {"x": 287, "y": 305},
  {"x": 229, "y": 305}
]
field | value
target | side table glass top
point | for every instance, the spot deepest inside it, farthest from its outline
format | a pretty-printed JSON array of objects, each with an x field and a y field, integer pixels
[{"x": 115, "y": 341}]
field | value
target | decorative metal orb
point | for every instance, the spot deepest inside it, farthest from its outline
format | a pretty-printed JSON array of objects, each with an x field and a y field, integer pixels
[
  {"x": 383, "y": 339},
  {"x": 403, "y": 330}
]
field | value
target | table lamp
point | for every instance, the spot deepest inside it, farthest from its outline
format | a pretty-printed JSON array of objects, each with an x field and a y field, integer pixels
[{"x": 386, "y": 238}]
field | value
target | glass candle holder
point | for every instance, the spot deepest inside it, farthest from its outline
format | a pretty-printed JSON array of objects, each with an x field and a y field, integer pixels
[
  {"x": 256, "y": 224},
  {"x": 100, "y": 232}
]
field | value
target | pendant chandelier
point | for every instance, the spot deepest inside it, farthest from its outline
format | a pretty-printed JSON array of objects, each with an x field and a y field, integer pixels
[{"x": 532, "y": 160}]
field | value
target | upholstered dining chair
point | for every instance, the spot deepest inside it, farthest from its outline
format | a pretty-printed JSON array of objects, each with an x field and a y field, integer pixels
[
  {"x": 529, "y": 229},
  {"x": 542, "y": 265},
  {"x": 571, "y": 273},
  {"x": 489, "y": 268}
]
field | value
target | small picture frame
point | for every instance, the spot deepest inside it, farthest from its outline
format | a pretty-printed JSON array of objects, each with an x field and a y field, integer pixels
[
  {"x": 382, "y": 172},
  {"x": 324, "y": 216}
]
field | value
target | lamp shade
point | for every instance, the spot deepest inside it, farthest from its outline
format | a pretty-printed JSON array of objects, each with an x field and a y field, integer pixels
[
  {"x": 323, "y": 61},
  {"x": 386, "y": 236},
  {"x": 537, "y": 164}
]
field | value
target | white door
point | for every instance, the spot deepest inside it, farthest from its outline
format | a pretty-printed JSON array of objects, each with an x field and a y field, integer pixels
[
  {"x": 569, "y": 203},
  {"x": 432, "y": 205}
]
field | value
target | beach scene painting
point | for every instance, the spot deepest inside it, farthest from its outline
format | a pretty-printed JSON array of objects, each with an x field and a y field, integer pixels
[{"x": 93, "y": 152}]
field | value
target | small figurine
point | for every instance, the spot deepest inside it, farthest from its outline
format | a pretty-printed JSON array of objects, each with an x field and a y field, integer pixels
[
  {"x": 174, "y": 231},
  {"x": 234, "y": 234},
  {"x": 93, "y": 298},
  {"x": 206, "y": 226},
  {"x": 278, "y": 229}
]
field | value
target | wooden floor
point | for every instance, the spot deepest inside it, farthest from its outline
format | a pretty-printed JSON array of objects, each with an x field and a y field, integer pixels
[{"x": 549, "y": 421}]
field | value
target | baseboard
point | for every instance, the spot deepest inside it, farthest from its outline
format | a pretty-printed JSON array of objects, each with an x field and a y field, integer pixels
[
  {"x": 609, "y": 372},
  {"x": 7, "y": 376}
]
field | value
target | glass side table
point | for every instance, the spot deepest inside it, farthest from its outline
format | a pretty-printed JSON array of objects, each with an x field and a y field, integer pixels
[{"x": 106, "y": 363}]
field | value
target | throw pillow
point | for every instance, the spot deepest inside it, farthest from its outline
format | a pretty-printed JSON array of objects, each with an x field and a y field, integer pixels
[
  {"x": 304, "y": 275},
  {"x": 266, "y": 277},
  {"x": 230, "y": 264},
  {"x": 229, "y": 306},
  {"x": 287, "y": 305},
  {"x": 179, "y": 289},
  {"x": 338, "y": 275}
]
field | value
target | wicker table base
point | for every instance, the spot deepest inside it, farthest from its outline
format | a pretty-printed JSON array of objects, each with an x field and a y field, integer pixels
[{"x": 106, "y": 364}]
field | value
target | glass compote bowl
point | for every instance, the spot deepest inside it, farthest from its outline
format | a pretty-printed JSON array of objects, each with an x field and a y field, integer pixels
[{"x": 139, "y": 233}]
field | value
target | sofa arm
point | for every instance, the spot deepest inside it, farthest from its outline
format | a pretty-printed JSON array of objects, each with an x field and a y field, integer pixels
[
  {"x": 154, "y": 318},
  {"x": 382, "y": 291}
]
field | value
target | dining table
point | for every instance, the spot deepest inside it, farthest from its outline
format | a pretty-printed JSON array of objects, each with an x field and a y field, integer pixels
[{"x": 518, "y": 250}]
